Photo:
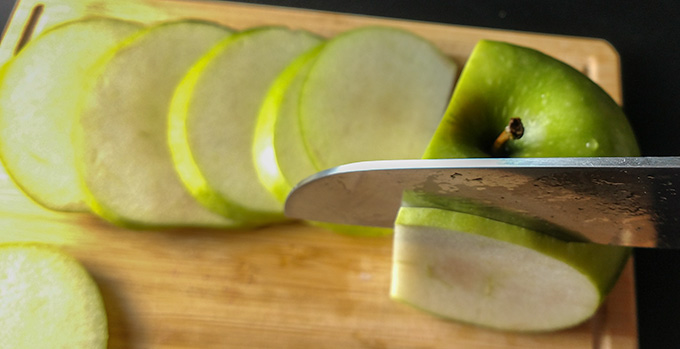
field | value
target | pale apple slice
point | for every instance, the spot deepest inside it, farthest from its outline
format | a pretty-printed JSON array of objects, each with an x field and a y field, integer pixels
[
  {"x": 48, "y": 300},
  {"x": 213, "y": 117},
  {"x": 123, "y": 154},
  {"x": 39, "y": 93},
  {"x": 493, "y": 274},
  {"x": 280, "y": 156},
  {"x": 374, "y": 93}
]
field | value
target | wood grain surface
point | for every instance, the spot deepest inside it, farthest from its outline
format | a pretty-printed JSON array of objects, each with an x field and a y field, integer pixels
[{"x": 284, "y": 286}]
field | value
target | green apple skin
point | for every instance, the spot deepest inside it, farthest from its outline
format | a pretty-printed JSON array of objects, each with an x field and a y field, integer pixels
[
  {"x": 564, "y": 114},
  {"x": 48, "y": 300}
]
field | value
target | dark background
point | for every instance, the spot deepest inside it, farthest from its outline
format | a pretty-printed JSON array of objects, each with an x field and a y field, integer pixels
[{"x": 647, "y": 37}]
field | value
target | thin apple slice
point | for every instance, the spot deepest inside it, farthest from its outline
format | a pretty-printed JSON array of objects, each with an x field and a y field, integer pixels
[
  {"x": 280, "y": 156},
  {"x": 213, "y": 117},
  {"x": 39, "y": 93},
  {"x": 121, "y": 135},
  {"x": 374, "y": 93},
  {"x": 489, "y": 273},
  {"x": 48, "y": 300}
]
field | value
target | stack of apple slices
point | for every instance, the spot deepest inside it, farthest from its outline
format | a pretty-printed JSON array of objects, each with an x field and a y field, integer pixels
[{"x": 188, "y": 123}]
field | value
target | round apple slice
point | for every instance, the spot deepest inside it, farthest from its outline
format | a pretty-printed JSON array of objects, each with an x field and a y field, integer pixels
[
  {"x": 374, "y": 93},
  {"x": 48, "y": 300},
  {"x": 489, "y": 273},
  {"x": 39, "y": 93},
  {"x": 121, "y": 135},
  {"x": 213, "y": 117}
]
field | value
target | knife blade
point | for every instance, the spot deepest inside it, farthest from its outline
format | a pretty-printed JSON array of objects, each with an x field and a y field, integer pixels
[{"x": 627, "y": 201}]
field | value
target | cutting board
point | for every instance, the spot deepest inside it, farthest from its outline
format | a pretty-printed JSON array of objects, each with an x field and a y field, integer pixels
[{"x": 289, "y": 285}]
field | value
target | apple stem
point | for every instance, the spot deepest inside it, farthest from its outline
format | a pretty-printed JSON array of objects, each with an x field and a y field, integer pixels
[{"x": 514, "y": 130}]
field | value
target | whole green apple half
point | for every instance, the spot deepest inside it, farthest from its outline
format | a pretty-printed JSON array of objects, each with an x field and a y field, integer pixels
[
  {"x": 48, "y": 300},
  {"x": 40, "y": 90},
  {"x": 121, "y": 130},
  {"x": 478, "y": 270},
  {"x": 563, "y": 112}
]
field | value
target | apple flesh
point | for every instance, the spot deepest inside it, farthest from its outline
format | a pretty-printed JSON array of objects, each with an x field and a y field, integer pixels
[
  {"x": 478, "y": 270},
  {"x": 213, "y": 117},
  {"x": 48, "y": 300},
  {"x": 493, "y": 274},
  {"x": 373, "y": 93},
  {"x": 40, "y": 90},
  {"x": 123, "y": 155}
]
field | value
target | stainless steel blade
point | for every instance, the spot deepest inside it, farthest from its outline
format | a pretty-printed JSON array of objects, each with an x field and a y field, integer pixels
[{"x": 631, "y": 201}]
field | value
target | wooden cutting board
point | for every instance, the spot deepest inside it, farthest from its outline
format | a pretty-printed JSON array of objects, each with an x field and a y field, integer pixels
[{"x": 285, "y": 286}]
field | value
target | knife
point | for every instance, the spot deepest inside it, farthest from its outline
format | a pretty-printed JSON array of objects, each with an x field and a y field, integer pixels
[{"x": 627, "y": 201}]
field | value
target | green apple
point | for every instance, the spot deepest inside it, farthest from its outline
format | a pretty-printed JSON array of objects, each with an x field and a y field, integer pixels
[
  {"x": 373, "y": 93},
  {"x": 563, "y": 112},
  {"x": 123, "y": 155},
  {"x": 39, "y": 93},
  {"x": 213, "y": 116},
  {"x": 495, "y": 274},
  {"x": 48, "y": 300}
]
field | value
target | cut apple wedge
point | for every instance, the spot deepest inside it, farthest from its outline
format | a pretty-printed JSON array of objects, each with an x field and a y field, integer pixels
[
  {"x": 48, "y": 300},
  {"x": 493, "y": 274},
  {"x": 213, "y": 118},
  {"x": 40, "y": 89},
  {"x": 123, "y": 154},
  {"x": 374, "y": 93}
]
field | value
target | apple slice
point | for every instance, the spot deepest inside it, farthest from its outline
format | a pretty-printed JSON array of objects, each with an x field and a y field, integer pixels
[
  {"x": 121, "y": 135},
  {"x": 495, "y": 274},
  {"x": 48, "y": 300},
  {"x": 489, "y": 273},
  {"x": 280, "y": 156},
  {"x": 213, "y": 118},
  {"x": 39, "y": 93},
  {"x": 374, "y": 93}
]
